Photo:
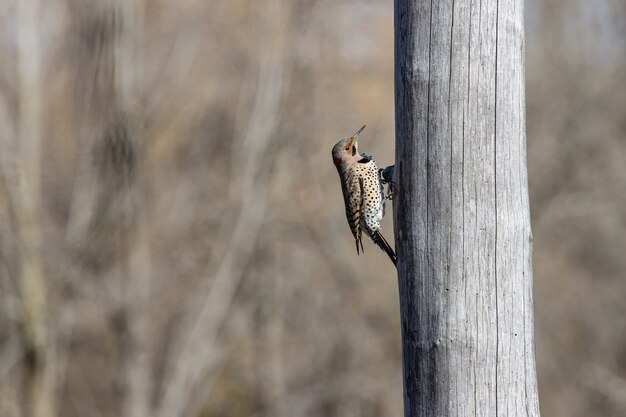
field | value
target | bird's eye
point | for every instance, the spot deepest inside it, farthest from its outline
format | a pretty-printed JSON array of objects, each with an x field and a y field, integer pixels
[{"x": 347, "y": 148}]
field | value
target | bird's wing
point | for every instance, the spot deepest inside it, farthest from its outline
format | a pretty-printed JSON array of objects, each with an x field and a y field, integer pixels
[{"x": 353, "y": 199}]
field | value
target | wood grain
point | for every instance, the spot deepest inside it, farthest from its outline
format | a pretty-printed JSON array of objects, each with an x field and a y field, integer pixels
[{"x": 461, "y": 212}]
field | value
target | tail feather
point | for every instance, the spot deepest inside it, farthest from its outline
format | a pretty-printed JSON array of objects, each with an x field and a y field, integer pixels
[
  {"x": 358, "y": 241},
  {"x": 379, "y": 239}
]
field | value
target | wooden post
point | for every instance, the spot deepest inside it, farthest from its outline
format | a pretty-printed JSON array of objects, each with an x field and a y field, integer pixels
[{"x": 461, "y": 213}]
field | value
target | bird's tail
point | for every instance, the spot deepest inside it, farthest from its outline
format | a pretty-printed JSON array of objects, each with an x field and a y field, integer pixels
[{"x": 378, "y": 238}]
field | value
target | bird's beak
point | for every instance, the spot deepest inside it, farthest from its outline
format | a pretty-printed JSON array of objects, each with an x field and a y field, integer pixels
[
  {"x": 358, "y": 132},
  {"x": 353, "y": 140}
]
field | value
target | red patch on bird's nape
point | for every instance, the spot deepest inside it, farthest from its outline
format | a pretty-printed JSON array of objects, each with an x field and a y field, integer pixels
[{"x": 337, "y": 161}]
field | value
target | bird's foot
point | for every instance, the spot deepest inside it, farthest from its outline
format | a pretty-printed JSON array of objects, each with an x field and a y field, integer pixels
[
  {"x": 386, "y": 176},
  {"x": 391, "y": 191}
]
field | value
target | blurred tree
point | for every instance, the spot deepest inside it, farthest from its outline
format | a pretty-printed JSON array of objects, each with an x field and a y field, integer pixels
[
  {"x": 22, "y": 187},
  {"x": 462, "y": 218}
]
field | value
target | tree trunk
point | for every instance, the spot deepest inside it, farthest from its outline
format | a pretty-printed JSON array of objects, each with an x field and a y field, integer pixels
[{"x": 461, "y": 212}]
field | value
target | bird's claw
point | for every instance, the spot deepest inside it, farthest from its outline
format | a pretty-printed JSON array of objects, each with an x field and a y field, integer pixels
[
  {"x": 385, "y": 178},
  {"x": 391, "y": 191}
]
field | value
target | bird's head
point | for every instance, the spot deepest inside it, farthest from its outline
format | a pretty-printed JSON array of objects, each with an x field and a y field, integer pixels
[{"x": 346, "y": 149}]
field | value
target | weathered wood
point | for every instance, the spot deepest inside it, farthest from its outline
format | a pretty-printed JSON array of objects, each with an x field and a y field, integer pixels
[{"x": 461, "y": 212}]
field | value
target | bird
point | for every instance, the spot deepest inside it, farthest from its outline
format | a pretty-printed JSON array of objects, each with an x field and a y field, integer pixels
[{"x": 363, "y": 194}]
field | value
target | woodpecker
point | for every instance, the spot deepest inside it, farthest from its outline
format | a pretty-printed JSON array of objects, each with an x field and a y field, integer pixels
[{"x": 362, "y": 187}]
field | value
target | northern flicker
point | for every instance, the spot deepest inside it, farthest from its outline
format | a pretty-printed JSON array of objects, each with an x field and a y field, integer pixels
[{"x": 362, "y": 193}]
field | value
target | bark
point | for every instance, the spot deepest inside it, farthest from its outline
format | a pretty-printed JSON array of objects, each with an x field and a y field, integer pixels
[{"x": 461, "y": 212}]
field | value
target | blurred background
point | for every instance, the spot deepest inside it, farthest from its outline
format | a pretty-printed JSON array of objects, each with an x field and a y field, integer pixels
[{"x": 172, "y": 234}]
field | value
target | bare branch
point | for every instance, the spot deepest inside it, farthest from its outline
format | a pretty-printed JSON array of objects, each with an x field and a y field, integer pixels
[{"x": 197, "y": 355}]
